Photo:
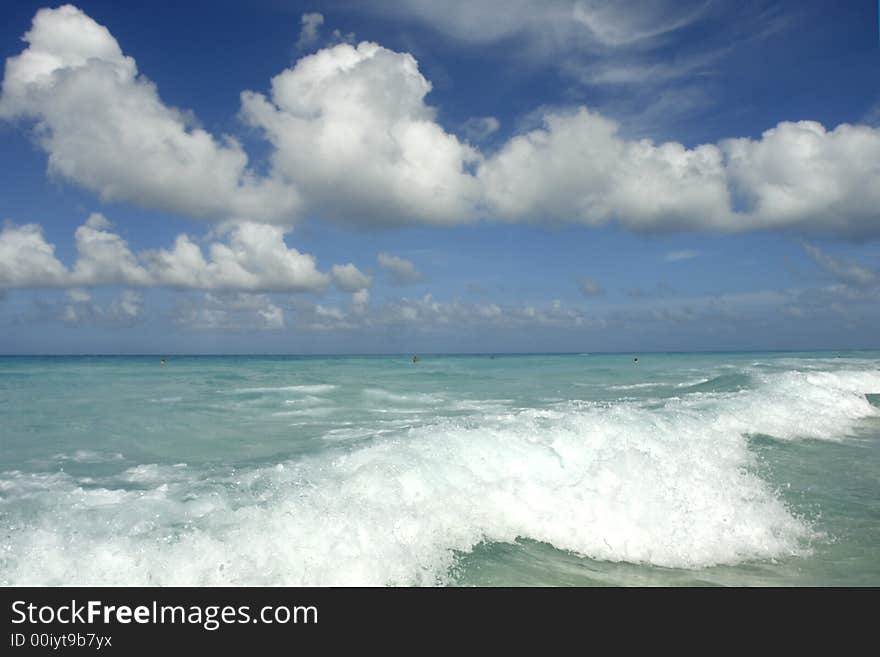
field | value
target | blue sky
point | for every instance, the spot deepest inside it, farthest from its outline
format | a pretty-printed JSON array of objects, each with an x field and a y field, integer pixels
[{"x": 413, "y": 176}]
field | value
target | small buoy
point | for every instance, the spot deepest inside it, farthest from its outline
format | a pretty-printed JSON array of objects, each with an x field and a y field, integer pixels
[
  {"x": 162, "y": 361},
  {"x": 635, "y": 360}
]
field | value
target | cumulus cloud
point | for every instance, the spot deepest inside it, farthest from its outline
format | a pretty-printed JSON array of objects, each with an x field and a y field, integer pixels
[
  {"x": 129, "y": 305},
  {"x": 226, "y": 311},
  {"x": 797, "y": 176},
  {"x": 252, "y": 257},
  {"x": 577, "y": 168},
  {"x": 349, "y": 278},
  {"x": 800, "y": 174},
  {"x": 104, "y": 257},
  {"x": 79, "y": 308},
  {"x": 401, "y": 270},
  {"x": 352, "y": 138},
  {"x": 426, "y": 313},
  {"x": 311, "y": 27},
  {"x": 105, "y": 127},
  {"x": 350, "y": 126},
  {"x": 359, "y": 302},
  {"x": 27, "y": 259}
]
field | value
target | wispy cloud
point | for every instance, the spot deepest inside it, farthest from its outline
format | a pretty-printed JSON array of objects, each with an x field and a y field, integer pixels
[
  {"x": 661, "y": 290},
  {"x": 310, "y": 31},
  {"x": 590, "y": 287},
  {"x": 844, "y": 270},
  {"x": 677, "y": 256},
  {"x": 478, "y": 128},
  {"x": 401, "y": 270}
]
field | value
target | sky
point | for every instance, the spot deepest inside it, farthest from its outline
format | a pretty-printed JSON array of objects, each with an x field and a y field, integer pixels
[{"x": 411, "y": 176}]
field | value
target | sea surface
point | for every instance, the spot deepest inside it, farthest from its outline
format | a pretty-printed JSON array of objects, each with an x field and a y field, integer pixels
[{"x": 576, "y": 469}]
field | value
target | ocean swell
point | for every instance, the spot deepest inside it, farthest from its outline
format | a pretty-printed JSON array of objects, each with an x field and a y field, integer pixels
[{"x": 671, "y": 486}]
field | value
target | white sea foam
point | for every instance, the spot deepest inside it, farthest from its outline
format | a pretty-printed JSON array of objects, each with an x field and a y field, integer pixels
[
  {"x": 636, "y": 386},
  {"x": 483, "y": 405},
  {"x": 89, "y": 456},
  {"x": 354, "y": 433},
  {"x": 15, "y": 484},
  {"x": 670, "y": 486},
  {"x": 308, "y": 400},
  {"x": 152, "y": 473},
  {"x": 411, "y": 398},
  {"x": 317, "y": 389},
  {"x": 693, "y": 382},
  {"x": 315, "y": 411}
]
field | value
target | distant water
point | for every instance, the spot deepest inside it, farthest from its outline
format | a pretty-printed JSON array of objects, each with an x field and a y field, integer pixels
[{"x": 465, "y": 470}]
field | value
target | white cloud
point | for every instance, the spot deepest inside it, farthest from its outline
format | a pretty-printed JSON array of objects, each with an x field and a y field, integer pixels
[
  {"x": 126, "y": 309},
  {"x": 273, "y": 317},
  {"x": 227, "y": 311},
  {"x": 478, "y": 128},
  {"x": 131, "y": 303},
  {"x": 27, "y": 259},
  {"x": 402, "y": 271},
  {"x": 801, "y": 175},
  {"x": 105, "y": 128},
  {"x": 353, "y": 139},
  {"x": 685, "y": 254},
  {"x": 349, "y": 278},
  {"x": 619, "y": 24},
  {"x": 846, "y": 271},
  {"x": 338, "y": 36},
  {"x": 104, "y": 257},
  {"x": 77, "y": 295},
  {"x": 360, "y": 301},
  {"x": 645, "y": 74},
  {"x": 253, "y": 257},
  {"x": 329, "y": 313},
  {"x": 427, "y": 314},
  {"x": 590, "y": 287},
  {"x": 483, "y": 22},
  {"x": 798, "y": 175},
  {"x": 311, "y": 26},
  {"x": 551, "y": 25},
  {"x": 350, "y": 126},
  {"x": 578, "y": 169}
]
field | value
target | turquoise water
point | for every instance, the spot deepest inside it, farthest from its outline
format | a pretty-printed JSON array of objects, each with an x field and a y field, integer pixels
[{"x": 587, "y": 469}]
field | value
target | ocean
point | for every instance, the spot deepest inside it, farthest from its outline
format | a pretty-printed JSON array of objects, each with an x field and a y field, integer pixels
[{"x": 472, "y": 470}]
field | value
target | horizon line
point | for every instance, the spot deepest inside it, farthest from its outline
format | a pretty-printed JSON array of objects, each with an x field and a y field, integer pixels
[{"x": 426, "y": 353}]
